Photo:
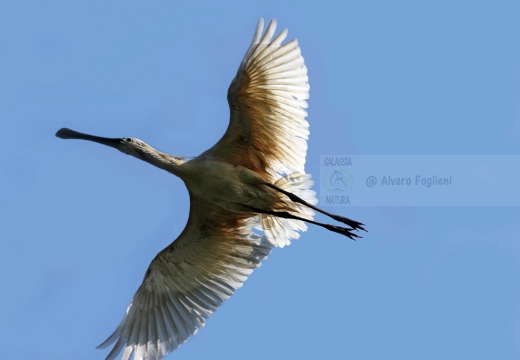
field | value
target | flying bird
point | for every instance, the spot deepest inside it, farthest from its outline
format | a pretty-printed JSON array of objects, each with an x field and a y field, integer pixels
[{"x": 252, "y": 178}]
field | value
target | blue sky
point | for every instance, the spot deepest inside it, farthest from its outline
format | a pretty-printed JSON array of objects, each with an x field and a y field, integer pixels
[{"x": 81, "y": 222}]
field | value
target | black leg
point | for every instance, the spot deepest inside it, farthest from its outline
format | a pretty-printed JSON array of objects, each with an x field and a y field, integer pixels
[
  {"x": 334, "y": 228},
  {"x": 352, "y": 223}
]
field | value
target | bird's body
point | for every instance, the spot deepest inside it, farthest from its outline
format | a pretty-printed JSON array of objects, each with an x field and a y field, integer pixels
[
  {"x": 233, "y": 188},
  {"x": 253, "y": 177}
]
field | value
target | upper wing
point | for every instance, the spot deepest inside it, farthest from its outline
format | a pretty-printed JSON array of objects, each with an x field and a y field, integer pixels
[
  {"x": 267, "y": 131},
  {"x": 187, "y": 282}
]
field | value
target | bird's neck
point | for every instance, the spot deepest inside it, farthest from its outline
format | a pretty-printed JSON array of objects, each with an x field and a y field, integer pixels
[{"x": 164, "y": 161}]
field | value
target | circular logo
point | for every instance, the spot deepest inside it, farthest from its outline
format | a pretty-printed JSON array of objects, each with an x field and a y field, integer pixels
[{"x": 337, "y": 181}]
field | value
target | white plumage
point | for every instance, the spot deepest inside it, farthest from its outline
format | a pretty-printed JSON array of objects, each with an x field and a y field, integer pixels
[{"x": 254, "y": 177}]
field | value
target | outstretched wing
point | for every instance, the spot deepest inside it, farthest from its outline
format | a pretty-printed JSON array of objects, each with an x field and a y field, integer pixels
[
  {"x": 187, "y": 282},
  {"x": 267, "y": 131}
]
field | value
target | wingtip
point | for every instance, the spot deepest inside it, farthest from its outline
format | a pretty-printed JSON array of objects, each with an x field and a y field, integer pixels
[
  {"x": 258, "y": 31},
  {"x": 261, "y": 24},
  {"x": 110, "y": 340}
]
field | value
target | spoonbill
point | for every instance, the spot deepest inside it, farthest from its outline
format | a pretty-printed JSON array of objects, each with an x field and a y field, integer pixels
[{"x": 253, "y": 178}]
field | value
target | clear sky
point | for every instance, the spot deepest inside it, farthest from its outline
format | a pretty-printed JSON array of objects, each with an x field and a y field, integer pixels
[{"x": 81, "y": 222}]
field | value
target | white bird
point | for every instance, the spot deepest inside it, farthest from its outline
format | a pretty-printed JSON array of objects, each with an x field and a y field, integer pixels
[{"x": 253, "y": 177}]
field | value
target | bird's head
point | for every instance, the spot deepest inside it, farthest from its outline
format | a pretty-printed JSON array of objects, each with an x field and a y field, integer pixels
[{"x": 134, "y": 147}]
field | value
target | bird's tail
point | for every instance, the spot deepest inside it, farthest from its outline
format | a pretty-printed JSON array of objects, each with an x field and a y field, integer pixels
[
  {"x": 282, "y": 225},
  {"x": 279, "y": 231}
]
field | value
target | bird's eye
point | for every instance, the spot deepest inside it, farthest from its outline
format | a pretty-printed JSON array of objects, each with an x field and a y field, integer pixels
[{"x": 128, "y": 139}]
